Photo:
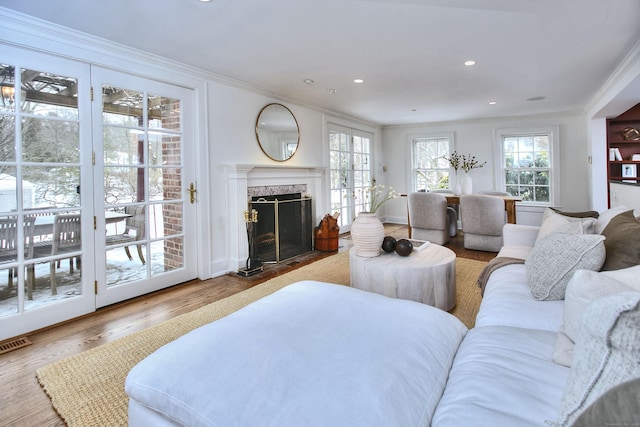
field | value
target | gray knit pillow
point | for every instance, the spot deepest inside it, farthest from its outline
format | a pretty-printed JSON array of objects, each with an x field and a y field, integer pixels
[
  {"x": 555, "y": 258},
  {"x": 607, "y": 352}
]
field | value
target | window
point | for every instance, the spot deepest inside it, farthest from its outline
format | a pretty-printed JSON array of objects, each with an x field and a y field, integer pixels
[
  {"x": 430, "y": 169},
  {"x": 527, "y": 160}
]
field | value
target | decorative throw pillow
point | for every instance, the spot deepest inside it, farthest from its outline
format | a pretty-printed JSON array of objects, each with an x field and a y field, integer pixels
[
  {"x": 553, "y": 222},
  {"x": 555, "y": 258},
  {"x": 606, "y": 216},
  {"x": 584, "y": 287},
  {"x": 619, "y": 406},
  {"x": 585, "y": 214},
  {"x": 623, "y": 241},
  {"x": 606, "y": 352}
]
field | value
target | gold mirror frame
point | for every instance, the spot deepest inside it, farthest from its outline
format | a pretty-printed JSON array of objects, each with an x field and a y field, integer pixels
[{"x": 277, "y": 132}]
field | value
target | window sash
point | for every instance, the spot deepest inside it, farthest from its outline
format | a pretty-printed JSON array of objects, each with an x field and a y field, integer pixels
[
  {"x": 430, "y": 169},
  {"x": 527, "y": 165}
]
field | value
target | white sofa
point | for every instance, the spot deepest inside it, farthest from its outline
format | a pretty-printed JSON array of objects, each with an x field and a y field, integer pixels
[
  {"x": 317, "y": 354},
  {"x": 506, "y": 371}
]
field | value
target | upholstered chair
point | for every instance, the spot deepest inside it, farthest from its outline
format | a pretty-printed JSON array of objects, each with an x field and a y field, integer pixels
[
  {"x": 429, "y": 217},
  {"x": 482, "y": 220},
  {"x": 495, "y": 193}
]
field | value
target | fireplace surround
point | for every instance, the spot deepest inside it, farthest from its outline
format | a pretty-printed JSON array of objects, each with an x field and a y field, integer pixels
[{"x": 243, "y": 182}]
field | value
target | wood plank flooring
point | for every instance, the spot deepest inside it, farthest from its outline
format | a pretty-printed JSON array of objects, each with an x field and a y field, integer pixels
[{"x": 22, "y": 400}]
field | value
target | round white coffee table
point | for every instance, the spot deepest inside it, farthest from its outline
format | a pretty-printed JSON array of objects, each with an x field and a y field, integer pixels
[{"x": 427, "y": 276}]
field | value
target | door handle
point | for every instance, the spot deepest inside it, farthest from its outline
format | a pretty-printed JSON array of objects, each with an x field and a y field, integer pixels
[{"x": 192, "y": 192}]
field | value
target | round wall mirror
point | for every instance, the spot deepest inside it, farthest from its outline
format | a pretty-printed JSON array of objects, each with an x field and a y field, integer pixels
[{"x": 277, "y": 132}]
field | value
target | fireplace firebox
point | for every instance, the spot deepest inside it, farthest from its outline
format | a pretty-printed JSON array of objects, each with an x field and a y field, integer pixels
[{"x": 284, "y": 228}]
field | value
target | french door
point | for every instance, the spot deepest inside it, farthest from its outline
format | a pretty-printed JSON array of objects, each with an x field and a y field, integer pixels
[
  {"x": 144, "y": 169},
  {"x": 85, "y": 183},
  {"x": 350, "y": 164}
]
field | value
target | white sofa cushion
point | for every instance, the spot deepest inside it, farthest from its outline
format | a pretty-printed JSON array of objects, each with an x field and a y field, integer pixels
[
  {"x": 555, "y": 258},
  {"x": 311, "y": 354},
  {"x": 507, "y": 301},
  {"x": 502, "y": 376},
  {"x": 606, "y": 352},
  {"x": 584, "y": 287}
]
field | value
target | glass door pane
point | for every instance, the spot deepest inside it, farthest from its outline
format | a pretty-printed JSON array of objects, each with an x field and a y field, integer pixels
[{"x": 339, "y": 169}]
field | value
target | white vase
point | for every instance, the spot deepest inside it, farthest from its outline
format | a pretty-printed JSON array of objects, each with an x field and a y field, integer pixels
[
  {"x": 457, "y": 184},
  {"x": 467, "y": 184},
  {"x": 367, "y": 233}
]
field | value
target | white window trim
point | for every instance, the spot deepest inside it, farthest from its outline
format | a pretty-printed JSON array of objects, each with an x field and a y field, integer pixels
[
  {"x": 554, "y": 174},
  {"x": 411, "y": 160}
]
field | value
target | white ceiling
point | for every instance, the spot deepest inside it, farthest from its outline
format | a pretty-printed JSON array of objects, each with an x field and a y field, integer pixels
[{"x": 410, "y": 53}]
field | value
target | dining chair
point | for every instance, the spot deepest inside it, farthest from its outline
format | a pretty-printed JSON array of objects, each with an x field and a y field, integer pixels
[
  {"x": 9, "y": 247},
  {"x": 67, "y": 237},
  {"x": 495, "y": 193},
  {"x": 134, "y": 231},
  {"x": 483, "y": 218},
  {"x": 429, "y": 217}
]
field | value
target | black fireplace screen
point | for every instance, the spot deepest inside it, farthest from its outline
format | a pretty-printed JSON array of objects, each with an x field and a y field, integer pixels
[{"x": 284, "y": 228}]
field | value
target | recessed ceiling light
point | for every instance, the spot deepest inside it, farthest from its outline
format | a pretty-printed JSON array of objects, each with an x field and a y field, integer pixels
[
  {"x": 470, "y": 62},
  {"x": 493, "y": 102},
  {"x": 205, "y": 1},
  {"x": 536, "y": 98},
  {"x": 358, "y": 81},
  {"x": 308, "y": 81},
  {"x": 332, "y": 91}
]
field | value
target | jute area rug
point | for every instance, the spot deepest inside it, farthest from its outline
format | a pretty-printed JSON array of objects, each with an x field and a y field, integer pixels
[{"x": 88, "y": 388}]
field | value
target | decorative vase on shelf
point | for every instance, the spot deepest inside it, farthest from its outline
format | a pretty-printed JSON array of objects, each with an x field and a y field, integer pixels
[
  {"x": 367, "y": 233},
  {"x": 467, "y": 184}
]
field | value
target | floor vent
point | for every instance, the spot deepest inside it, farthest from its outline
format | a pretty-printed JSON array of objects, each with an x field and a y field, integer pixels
[
  {"x": 14, "y": 344},
  {"x": 292, "y": 263}
]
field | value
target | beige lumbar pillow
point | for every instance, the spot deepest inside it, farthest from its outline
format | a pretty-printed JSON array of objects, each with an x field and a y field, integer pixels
[
  {"x": 606, "y": 352},
  {"x": 554, "y": 222},
  {"x": 554, "y": 259},
  {"x": 584, "y": 287}
]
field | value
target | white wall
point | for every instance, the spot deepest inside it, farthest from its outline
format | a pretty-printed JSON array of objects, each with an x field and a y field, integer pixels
[
  {"x": 477, "y": 138},
  {"x": 626, "y": 195},
  {"x": 231, "y": 120}
]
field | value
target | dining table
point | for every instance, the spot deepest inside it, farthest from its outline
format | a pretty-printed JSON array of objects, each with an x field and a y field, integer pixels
[{"x": 44, "y": 223}]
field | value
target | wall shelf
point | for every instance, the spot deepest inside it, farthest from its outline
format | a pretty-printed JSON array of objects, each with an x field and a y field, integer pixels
[{"x": 626, "y": 147}]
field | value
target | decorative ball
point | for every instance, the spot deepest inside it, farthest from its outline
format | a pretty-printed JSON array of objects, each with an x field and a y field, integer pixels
[
  {"x": 404, "y": 247},
  {"x": 389, "y": 244}
]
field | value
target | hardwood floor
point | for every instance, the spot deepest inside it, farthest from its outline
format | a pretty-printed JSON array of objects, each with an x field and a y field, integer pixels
[{"x": 23, "y": 402}]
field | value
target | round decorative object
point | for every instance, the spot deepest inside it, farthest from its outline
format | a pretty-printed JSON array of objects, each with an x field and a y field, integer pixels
[
  {"x": 389, "y": 244},
  {"x": 367, "y": 233},
  {"x": 404, "y": 247},
  {"x": 631, "y": 134}
]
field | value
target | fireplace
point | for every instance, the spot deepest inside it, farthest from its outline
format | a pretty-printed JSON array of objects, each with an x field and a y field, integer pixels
[
  {"x": 284, "y": 228},
  {"x": 244, "y": 182}
]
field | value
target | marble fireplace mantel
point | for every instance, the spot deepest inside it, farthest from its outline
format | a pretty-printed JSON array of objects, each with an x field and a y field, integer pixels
[{"x": 241, "y": 177}]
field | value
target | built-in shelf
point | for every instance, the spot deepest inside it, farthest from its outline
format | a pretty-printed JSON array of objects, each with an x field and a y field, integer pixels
[{"x": 624, "y": 147}]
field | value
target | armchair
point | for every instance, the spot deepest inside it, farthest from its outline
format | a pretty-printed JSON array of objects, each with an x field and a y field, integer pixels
[
  {"x": 429, "y": 217},
  {"x": 483, "y": 218}
]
